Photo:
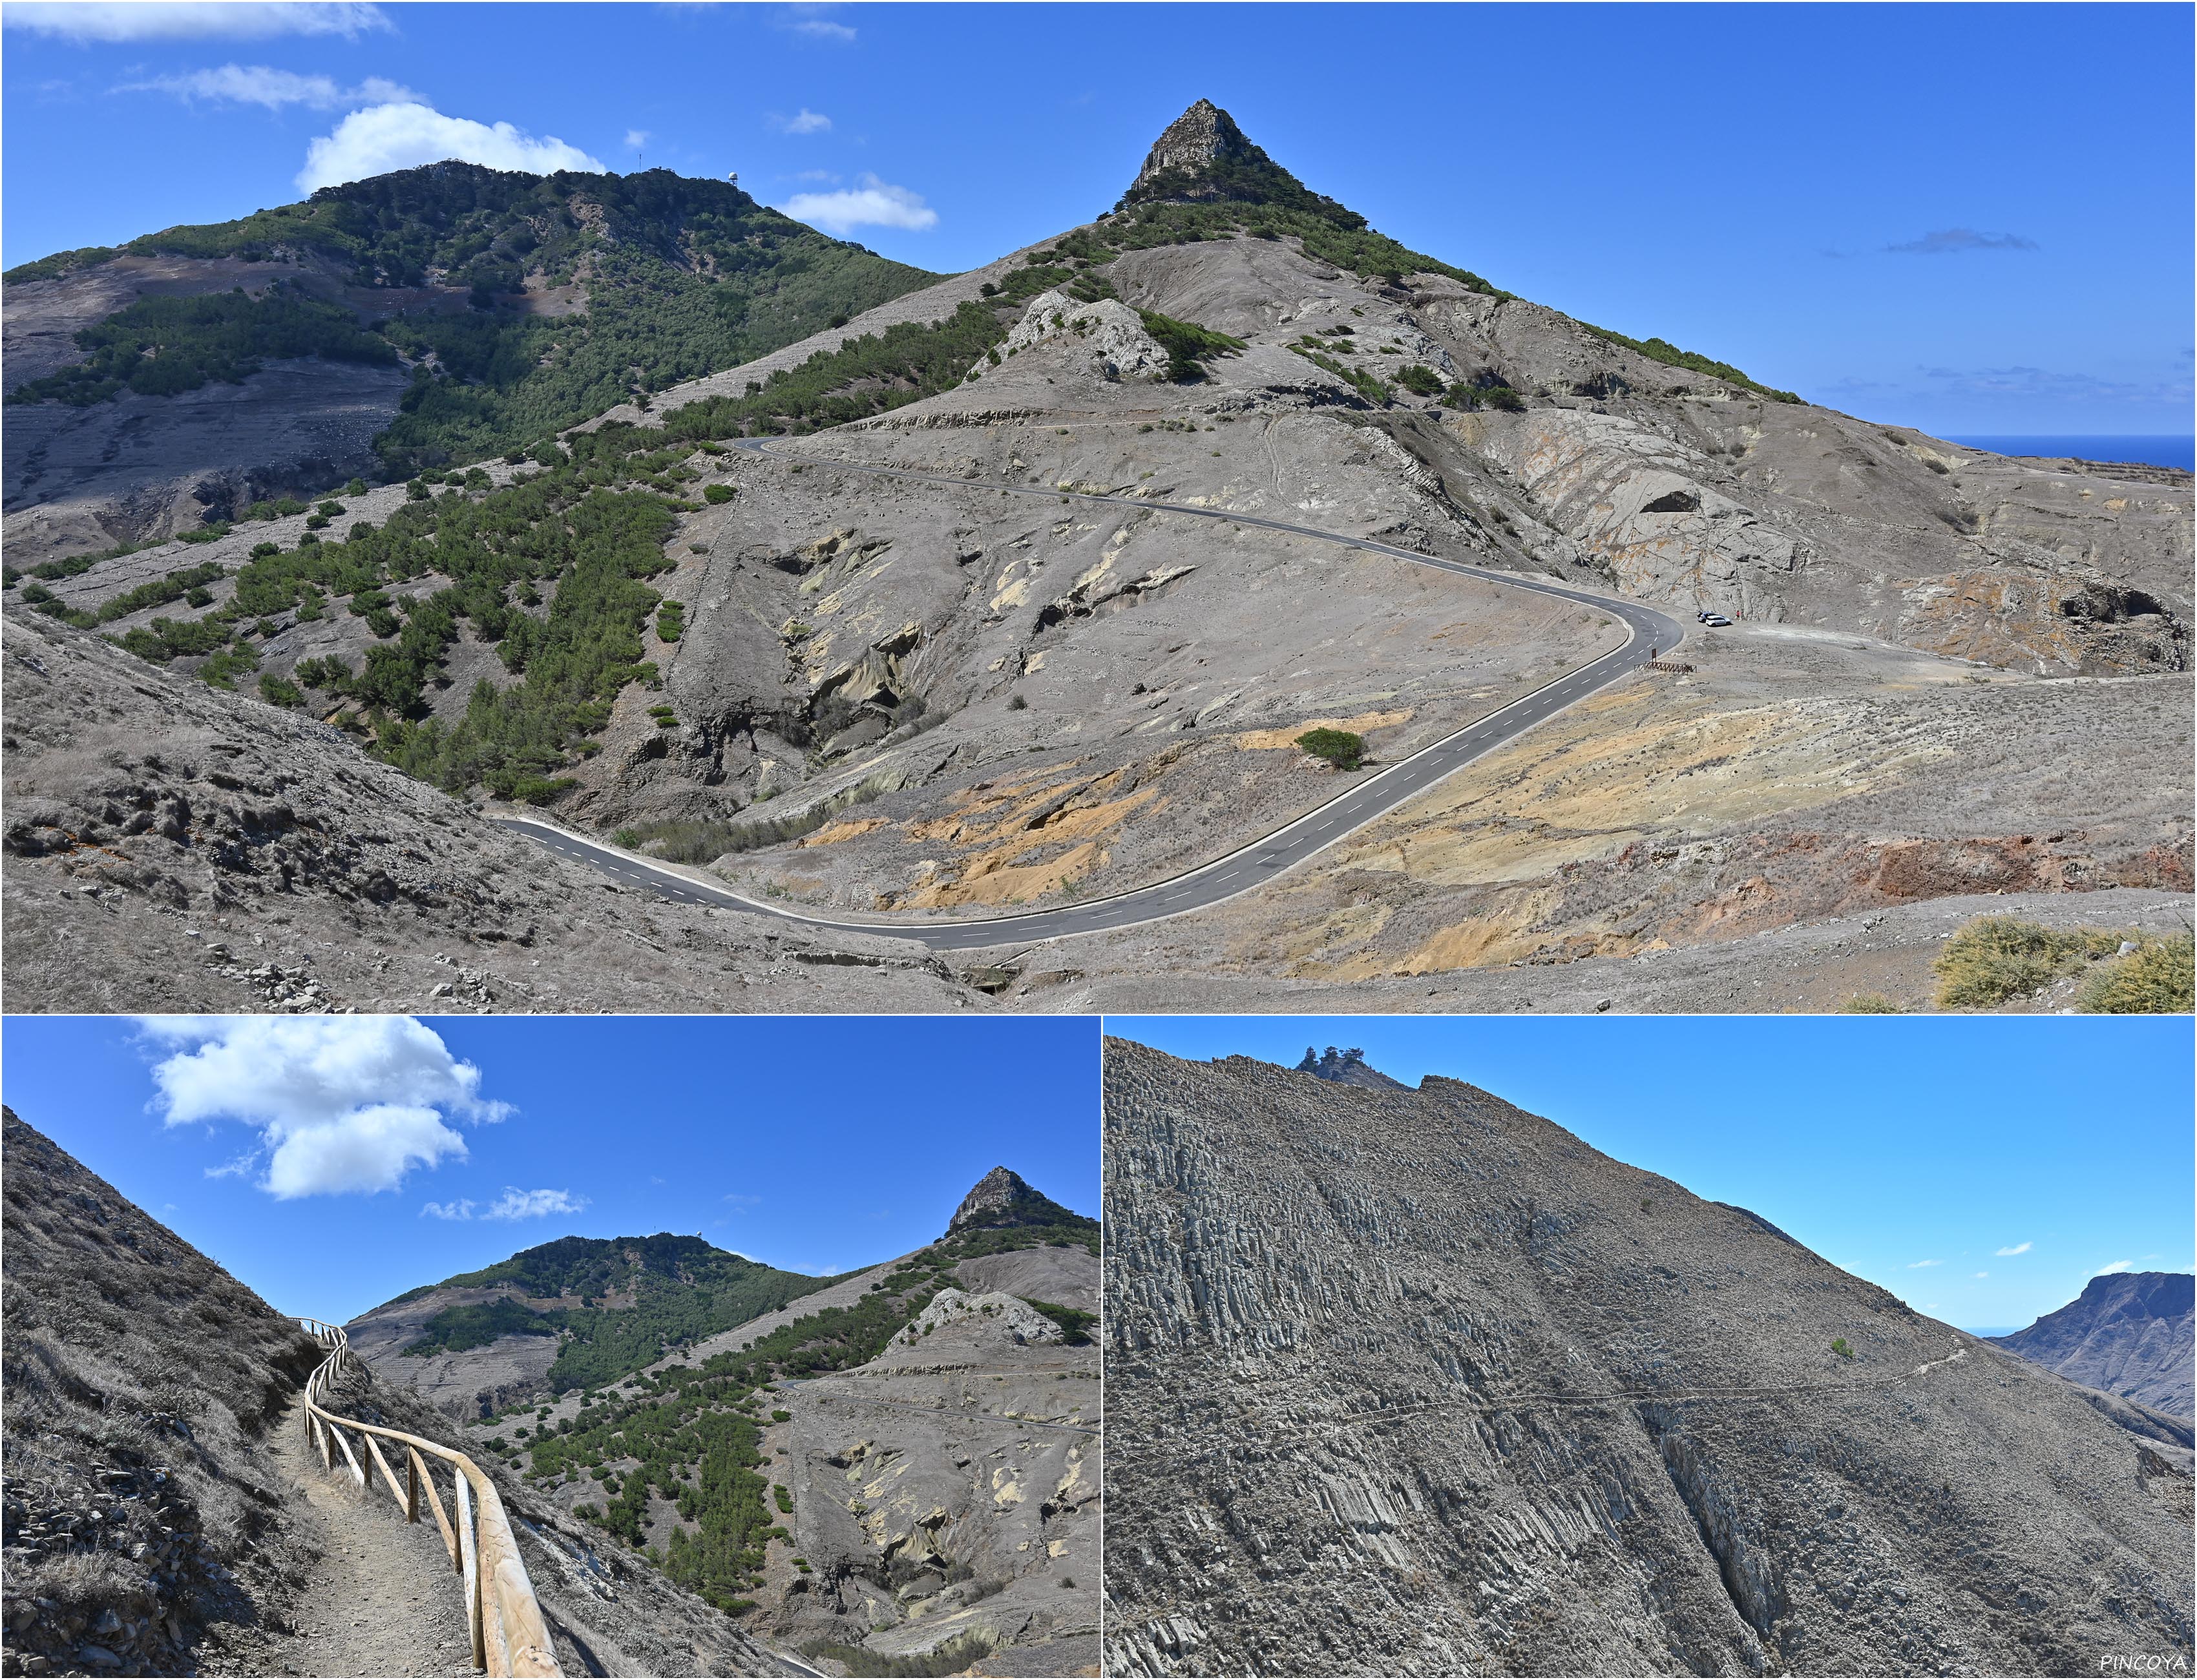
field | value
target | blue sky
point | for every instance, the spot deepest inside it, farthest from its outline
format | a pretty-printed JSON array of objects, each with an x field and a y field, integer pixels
[
  {"x": 1972, "y": 219},
  {"x": 818, "y": 1146},
  {"x": 1913, "y": 1152}
]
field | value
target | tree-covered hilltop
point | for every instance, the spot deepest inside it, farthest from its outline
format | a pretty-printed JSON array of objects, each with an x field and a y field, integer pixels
[
  {"x": 621, "y": 1303},
  {"x": 689, "y": 1434},
  {"x": 663, "y": 277}
]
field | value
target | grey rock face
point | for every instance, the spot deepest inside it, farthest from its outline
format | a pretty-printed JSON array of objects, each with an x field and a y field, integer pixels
[
  {"x": 1191, "y": 145},
  {"x": 1418, "y": 1384},
  {"x": 2130, "y": 1334},
  {"x": 1001, "y": 1198}
]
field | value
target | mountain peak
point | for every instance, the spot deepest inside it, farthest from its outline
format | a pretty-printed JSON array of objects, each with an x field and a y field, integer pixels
[
  {"x": 1347, "y": 1067},
  {"x": 1003, "y": 1198},
  {"x": 1203, "y": 157},
  {"x": 1188, "y": 150}
]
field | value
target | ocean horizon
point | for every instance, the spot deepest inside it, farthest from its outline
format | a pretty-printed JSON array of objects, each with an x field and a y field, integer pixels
[{"x": 2153, "y": 449}]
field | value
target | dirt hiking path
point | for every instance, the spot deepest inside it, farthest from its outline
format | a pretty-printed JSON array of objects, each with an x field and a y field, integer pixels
[{"x": 380, "y": 1596}]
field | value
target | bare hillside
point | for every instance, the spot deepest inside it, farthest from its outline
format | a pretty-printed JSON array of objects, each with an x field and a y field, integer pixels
[
  {"x": 172, "y": 846},
  {"x": 143, "y": 1507},
  {"x": 1418, "y": 1384}
]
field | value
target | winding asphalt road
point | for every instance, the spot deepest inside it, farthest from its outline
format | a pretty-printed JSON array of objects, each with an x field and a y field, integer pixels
[{"x": 1649, "y": 633}]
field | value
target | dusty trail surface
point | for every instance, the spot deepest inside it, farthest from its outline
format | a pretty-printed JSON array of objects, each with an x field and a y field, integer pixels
[{"x": 381, "y": 1596}]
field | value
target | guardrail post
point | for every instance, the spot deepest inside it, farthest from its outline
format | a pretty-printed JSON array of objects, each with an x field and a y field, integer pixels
[
  {"x": 411, "y": 1486},
  {"x": 469, "y": 1548}
]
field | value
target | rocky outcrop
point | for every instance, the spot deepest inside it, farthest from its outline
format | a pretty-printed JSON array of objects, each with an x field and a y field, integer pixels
[
  {"x": 1183, "y": 159},
  {"x": 1012, "y": 1317},
  {"x": 1413, "y": 1382},
  {"x": 1347, "y": 1067},
  {"x": 1110, "y": 333},
  {"x": 2132, "y": 1334},
  {"x": 1002, "y": 1199},
  {"x": 189, "y": 848}
]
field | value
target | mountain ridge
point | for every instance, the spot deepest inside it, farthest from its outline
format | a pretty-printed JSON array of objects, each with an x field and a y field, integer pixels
[
  {"x": 2132, "y": 1334},
  {"x": 764, "y": 644},
  {"x": 1536, "y": 1410}
]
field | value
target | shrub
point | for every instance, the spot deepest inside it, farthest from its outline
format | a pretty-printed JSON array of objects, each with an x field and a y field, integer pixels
[
  {"x": 1339, "y": 747},
  {"x": 2157, "y": 978},
  {"x": 279, "y": 691},
  {"x": 1871, "y": 1003},
  {"x": 1187, "y": 344},
  {"x": 717, "y": 494},
  {"x": 1841, "y": 1349},
  {"x": 1996, "y": 958},
  {"x": 781, "y": 1416},
  {"x": 162, "y": 346},
  {"x": 1420, "y": 381},
  {"x": 671, "y": 621},
  {"x": 1487, "y": 397},
  {"x": 1075, "y": 1323},
  {"x": 784, "y": 1500},
  {"x": 955, "y": 1656}
]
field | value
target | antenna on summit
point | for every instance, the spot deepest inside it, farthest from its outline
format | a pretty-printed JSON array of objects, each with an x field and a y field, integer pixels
[{"x": 733, "y": 176}]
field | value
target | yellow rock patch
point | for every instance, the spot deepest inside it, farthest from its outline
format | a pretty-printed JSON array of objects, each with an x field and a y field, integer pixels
[
  {"x": 832, "y": 833},
  {"x": 1266, "y": 740}
]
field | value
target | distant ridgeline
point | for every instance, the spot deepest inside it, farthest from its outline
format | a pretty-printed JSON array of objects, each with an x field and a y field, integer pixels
[
  {"x": 692, "y": 1431},
  {"x": 634, "y": 1298},
  {"x": 674, "y": 278}
]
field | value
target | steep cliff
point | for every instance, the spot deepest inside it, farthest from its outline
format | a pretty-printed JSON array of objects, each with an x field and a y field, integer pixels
[{"x": 1418, "y": 1384}]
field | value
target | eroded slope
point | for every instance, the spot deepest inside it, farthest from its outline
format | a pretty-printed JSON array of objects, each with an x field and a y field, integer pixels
[
  {"x": 171, "y": 846},
  {"x": 1421, "y": 1384}
]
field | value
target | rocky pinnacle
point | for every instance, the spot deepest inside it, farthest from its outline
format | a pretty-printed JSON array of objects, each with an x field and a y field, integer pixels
[
  {"x": 1004, "y": 1198},
  {"x": 1192, "y": 143}
]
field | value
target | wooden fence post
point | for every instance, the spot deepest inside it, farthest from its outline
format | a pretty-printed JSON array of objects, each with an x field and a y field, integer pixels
[{"x": 469, "y": 1544}]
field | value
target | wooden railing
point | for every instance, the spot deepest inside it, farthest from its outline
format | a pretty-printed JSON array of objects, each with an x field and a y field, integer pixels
[{"x": 509, "y": 1636}]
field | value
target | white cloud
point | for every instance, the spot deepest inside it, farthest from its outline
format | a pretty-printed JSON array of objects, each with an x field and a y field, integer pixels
[
  {"x": 1952, "y": 241},
  {"x": 2108, "y": 1270},
  {"x": 259, "y": 84},
  {"x": 533, "y": 1204},
  {"x": 514, "y": 1204},
  {"x": 2018, "y": 1248},
  {"x": 636, "y": 138},
  {"x": 873, "y": 203},
  {"x": 83, "y": 21},
  {"x": 342, "y": 1104},
  {"x": 821, "y": 29},
  {"x": 1983, "y": 1274},
  {"x": 825, "y": 175},
  {"x": 809, "y": 122},
  {"x": 1916, "y": 1265},
  {"x": 404, "y": 134}
]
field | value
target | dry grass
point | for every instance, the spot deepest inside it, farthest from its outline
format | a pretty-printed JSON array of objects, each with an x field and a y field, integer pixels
[
  {"x": 133, "y": 1365},
  {"x": 2159, "y": 977},
  {"x": 1995, "y": 959}
]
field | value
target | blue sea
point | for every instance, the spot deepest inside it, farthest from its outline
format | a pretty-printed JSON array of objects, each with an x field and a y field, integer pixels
[{"x": 2157, "y": 451}]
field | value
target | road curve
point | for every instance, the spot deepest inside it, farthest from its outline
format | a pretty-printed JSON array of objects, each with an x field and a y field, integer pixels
[{"x": 1648, "y": 632}]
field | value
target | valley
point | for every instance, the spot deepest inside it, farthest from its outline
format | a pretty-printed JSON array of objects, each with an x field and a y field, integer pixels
[
  {"x": 899, "y": 1463},
  {"x": 1014, "y": 593},
  {"x": 709, "y": 1464}
]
